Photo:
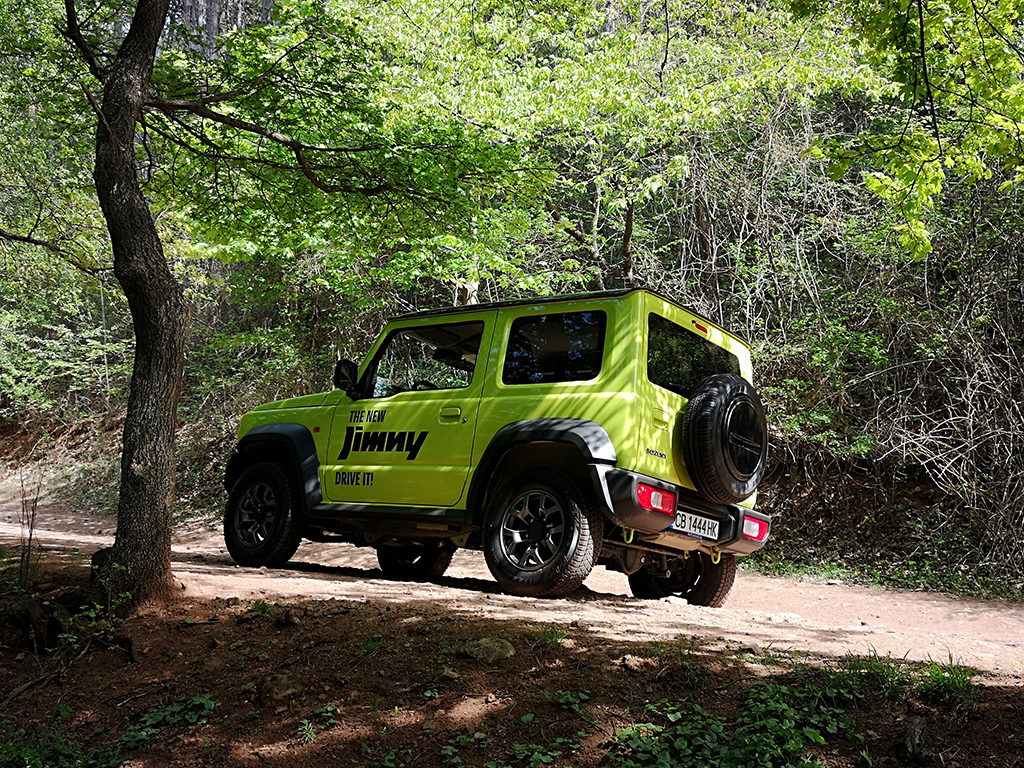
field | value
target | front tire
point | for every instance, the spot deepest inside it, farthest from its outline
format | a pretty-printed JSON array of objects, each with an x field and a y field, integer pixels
[
  {"x": 695, "y": 578},
  {"x": 542, "y": 536},
  {"x": 262, "y": 522},
  {"x": 415, "y": 562}
]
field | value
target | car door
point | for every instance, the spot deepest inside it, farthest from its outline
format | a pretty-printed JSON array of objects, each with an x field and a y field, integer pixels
[{"x": 409, "y": 440}]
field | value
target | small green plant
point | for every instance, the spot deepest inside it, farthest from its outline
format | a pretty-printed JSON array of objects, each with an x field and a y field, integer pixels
[
  {"x": 262, "y": 608},
  {"x": 327, "y": 713},
  {"x": 769, "y": 656},
  {"x": 948, "y": 682},
  {"x": 95, "y": 621},
  {"x": 374, "y": 752},
  {"x": 451, "y": 755},
  {"x": 212, "y": 752},
  {"x": 553, "y": 635},
  {"x": 193, "y": 710},
  {"x": 370, "y": 645},
  {"x": 532, "y": 755},
  {"x": 570, "y": 701},
  {"x": 53, "y": 749},
  {"x": 307, "y": 731},
  {"x": 450, "y": 752},
  {"x": 690, "y": 670},
  {"x": 891, "y": 675},
  {"x": 321, "y": 720},
  {"x": 430, "y": 693}
]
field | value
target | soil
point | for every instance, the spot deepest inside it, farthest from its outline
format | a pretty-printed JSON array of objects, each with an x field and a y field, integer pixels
[{"x": 327, "y": 662}]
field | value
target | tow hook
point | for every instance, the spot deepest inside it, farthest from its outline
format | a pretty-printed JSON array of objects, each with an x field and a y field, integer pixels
[
  {"x": 627, "y": 535},
  {"x": 716, "y": 556}
]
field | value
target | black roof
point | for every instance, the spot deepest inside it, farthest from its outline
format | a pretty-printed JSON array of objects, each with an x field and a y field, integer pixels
[
  {"x": 545, "y": 299},
  {"x": 520, "y": 303}
]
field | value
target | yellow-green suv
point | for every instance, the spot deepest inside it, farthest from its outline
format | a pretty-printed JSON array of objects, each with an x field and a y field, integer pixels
[{"x": 554, "y": 434}]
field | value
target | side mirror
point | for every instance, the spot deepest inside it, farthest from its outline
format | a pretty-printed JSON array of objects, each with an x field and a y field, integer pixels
[{"x": 346, "y": 373}]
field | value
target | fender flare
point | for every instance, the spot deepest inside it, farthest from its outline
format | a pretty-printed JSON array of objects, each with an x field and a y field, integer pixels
[
  {"x": 589, "y": 437},
  {"x": 290, "y": 442}
]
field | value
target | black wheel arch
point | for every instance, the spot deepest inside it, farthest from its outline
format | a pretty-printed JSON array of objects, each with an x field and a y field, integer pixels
[
  {"x": 586, "y": 442},
  {"x": 290, "y": 445}
]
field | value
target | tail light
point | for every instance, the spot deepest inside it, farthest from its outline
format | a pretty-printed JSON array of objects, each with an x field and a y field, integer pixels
[
  {"x": 755, "y": 529},
  {"x": 656, "y": 499}
]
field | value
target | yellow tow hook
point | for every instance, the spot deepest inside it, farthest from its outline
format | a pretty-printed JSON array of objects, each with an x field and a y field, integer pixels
[
  {"x": 627, "y": 535},
  {"x": 716, "y": 556}
]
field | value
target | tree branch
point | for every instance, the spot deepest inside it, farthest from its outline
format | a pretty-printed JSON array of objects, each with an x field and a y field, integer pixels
[
  {"x": 927, "y": 78},
  {"x": 74, "y": 34},
  {"x": 298, "y": 148},
  {"x": 53, "y": 248},
  {"x": 10, "y": 236},
  {"x": 99, "y": 114},
  {"x": 627, "y": 252},
  {"x": 576, "y": 234}
]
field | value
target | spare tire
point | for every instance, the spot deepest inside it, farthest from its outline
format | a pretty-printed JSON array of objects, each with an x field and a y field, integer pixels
[{"x": 725, "y": 438}]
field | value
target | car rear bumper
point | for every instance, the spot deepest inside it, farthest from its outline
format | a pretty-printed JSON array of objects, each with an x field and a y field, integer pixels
[{"x": 618, "y": 494}]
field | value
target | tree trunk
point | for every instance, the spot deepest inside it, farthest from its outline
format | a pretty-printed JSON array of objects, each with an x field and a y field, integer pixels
[{"x": 140, "y": 563}]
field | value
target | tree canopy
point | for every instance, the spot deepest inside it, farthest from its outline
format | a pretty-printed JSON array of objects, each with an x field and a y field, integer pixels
[{"x": 838, "y": 182}]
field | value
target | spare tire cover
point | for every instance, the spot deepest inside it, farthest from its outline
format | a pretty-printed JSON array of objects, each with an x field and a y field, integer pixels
[{"x": 725, "y": 438}]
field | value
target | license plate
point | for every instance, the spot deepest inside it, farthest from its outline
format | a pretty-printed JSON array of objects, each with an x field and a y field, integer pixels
[{"x": 695, "y": 525}]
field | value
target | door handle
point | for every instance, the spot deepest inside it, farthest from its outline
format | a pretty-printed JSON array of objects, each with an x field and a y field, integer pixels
[
  {"x": 450, "y": 414},
  {"x": 661, "y": 418}
]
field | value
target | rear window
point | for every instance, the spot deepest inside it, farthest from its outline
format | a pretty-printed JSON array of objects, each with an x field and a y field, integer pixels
[
  {"x": 557, "y": 347},
  {"x": 678, "y": 359}
]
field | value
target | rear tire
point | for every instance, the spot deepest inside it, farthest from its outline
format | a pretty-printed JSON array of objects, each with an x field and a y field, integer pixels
[
  {"x": 725, "y": 438},
  {"x": 262, "y": 522},
  {"x": 415, "y": 562},
  {"x": 696, "y": 578},
  {"x": 542, "y": 535}
]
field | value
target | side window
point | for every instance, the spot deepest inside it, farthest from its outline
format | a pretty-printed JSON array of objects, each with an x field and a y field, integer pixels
[
  {"x": 679, "y": 359},
  {"x": 558, "y": 347},
  {"x": 425, "y": 358}
]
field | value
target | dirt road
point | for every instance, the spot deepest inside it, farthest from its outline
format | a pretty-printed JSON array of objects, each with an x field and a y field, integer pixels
[{"x": 770, "y": 613}]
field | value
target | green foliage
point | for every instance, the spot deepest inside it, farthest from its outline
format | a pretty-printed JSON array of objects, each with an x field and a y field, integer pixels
[
  {"x": 948, "y": 682},
  {"x": 262, "y": 608},
  {"x": 891, "y": 676},
  {"x": 187, "y": 711},
  {"x": 784, "y": 175},
  {"x": 774, "y": 728},
  {"x": 371, "y": 645},
  {"x": 953, "y": 101},
  {"x": 571, "y": 701},
  {"x": 534, "y": 755},
  {"x": 55, "y": 350},
  {"x": 553, "y": 635},
  {"x": 54, "y": 749}
]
